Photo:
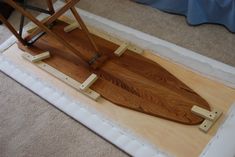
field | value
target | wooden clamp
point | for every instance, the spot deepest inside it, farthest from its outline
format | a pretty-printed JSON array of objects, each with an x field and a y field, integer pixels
[
  {"x": 123, "y": 47},
  {"x": 71, "y": 27},
  {"x": 63, "y": 77},
  {"x": 36, "y": 58},
  {"x": 89, "y": 81},
  {"x": 210, "y": 117}
]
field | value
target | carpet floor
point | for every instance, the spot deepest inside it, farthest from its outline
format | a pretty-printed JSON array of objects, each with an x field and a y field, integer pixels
[{"x": 29, "y": 126}]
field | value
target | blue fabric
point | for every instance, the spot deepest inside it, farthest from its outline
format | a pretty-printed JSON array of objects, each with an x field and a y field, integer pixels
[{"x": 199, "y": 11}]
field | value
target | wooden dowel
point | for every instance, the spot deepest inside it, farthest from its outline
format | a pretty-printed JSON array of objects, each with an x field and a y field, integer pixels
[
  {"x": 12, "y": 29},
  {"x": 44, "y": 28}
]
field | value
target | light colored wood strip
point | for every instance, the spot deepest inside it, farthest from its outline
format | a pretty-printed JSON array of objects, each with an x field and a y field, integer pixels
[
  {"x": 121, "y": 49},
  {"x": 61, "y": 76},
  {"x": 210, "y": 117},
  {"x": 68, "y": 80},
  {"x": 203, "y": 113},
  {"x": 99, "y": 33},
  {"x": 32, "y": 29},
  {"x": 71, "y": 27},
  {"x": 207, "y": 124},
  {"x": 37, "y": 58},
  {"x": 89, "y": 81}
]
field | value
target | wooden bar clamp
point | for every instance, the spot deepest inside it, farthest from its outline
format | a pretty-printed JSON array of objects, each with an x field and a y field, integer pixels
[
  {"x": 89, "y": 81},
  {"x": 36, "y": 58},
  {"x": 121, "y": 49},
  {"x": 63, "y": 77},
  {"x": 210, "y": 117}
]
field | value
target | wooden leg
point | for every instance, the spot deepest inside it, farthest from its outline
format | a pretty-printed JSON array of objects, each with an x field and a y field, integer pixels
[
  {"x": 84, "y": 28},
  {"x": 76, "y": 15},
  {"x": 56, "y": 15},
  {"x": 44, "y": 28},
  {"x": 92, "y": 58},
  {"x": 12, "y": 29},
  {"x": 50, "y": 6}
]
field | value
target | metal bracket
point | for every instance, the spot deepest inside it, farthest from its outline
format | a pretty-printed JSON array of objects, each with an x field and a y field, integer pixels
[{"x": 210, "y": 117}]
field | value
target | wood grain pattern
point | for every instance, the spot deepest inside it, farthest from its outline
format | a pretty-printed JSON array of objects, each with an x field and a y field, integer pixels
[
  {"x": 173, "y": 138},
  {"x": 131, "y": 80}
]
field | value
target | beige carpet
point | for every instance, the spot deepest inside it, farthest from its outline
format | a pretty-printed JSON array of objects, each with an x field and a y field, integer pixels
[{"x": 29, "y": 126}]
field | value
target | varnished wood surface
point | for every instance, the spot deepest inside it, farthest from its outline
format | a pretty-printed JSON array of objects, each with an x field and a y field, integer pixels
[{"x": 131, "y": 80}]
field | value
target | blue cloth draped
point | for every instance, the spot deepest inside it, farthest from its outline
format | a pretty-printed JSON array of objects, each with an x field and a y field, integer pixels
[{"x": 199, "y": 11}]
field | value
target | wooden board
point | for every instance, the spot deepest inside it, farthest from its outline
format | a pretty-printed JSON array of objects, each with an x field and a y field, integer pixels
[
  {"x": 174, "y": 138},
  {"x": 131, "y": 81}
]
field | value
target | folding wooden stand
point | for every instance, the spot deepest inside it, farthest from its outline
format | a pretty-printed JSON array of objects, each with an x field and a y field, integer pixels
[
  {"x": 97, "y": 67},
  {"x": 43, "y": 26}
]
